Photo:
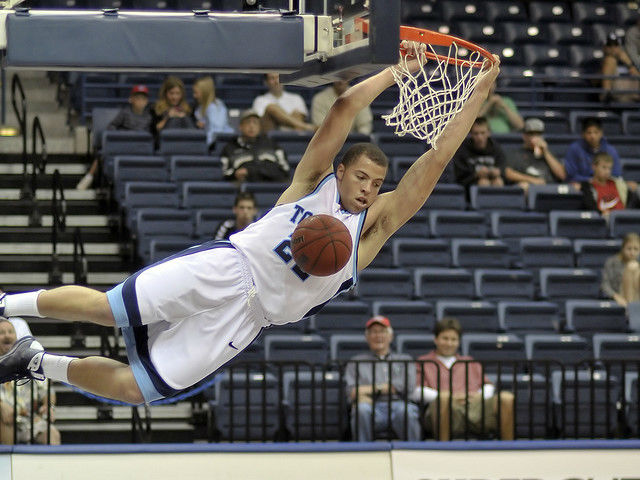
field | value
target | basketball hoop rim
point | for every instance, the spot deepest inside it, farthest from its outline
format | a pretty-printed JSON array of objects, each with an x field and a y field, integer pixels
[{"x": 430, "y": 37}]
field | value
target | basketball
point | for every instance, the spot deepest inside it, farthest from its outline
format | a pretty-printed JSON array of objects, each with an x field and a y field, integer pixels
[{"x": 321, "y": 245}]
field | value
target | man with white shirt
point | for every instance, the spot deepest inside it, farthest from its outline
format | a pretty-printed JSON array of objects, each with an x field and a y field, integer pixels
[
  {"x": 465, "y": 383},
  {"x": 280, "y": 109}
]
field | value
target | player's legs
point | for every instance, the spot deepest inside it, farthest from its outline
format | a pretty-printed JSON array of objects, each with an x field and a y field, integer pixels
[{"x": 105, "y": 377}]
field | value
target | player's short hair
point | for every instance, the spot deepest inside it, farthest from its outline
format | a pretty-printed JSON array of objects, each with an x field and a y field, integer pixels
[
  {"x": 372, "y": 151},
  {"x": 591, "y": 122},
  {"x": 447, "y": 323},
  {"x": 602, "y": 157},
  {"x": 244, "y": 196},
  {"x": 481, "y": 121}
]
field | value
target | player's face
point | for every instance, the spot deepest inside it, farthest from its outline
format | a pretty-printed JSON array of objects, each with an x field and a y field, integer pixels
[
  {"x": 245, "y": 212},
  {"x": 379, "y": 338},
  {"x": 7, "y": 337},
  {"x": 592, "y": 136},
  {"x": 174, "y": 96},
  {"x": 631, "y": 250},
  {"x": 359, "y": 183},
  {"x": 602, "y": 171},
  {"x": 447, "y": 343},
  {"x": 480, "y": 135}
]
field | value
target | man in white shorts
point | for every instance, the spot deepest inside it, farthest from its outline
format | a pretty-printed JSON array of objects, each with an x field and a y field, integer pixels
[{"x": 186, "y": 316}]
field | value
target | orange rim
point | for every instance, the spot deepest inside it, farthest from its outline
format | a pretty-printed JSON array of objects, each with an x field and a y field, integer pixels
[{"x": 430, "y": 37}]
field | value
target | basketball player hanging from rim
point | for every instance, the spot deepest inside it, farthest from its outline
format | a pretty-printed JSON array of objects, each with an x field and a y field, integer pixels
[{"x": 186, "y": 316}]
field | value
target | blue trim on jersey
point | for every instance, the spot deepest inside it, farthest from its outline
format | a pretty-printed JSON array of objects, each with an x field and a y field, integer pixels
[
  {"x": 114, "y": 297},
  {"x": 346, "y": 285},
  {"x": 363, "y": 217}
]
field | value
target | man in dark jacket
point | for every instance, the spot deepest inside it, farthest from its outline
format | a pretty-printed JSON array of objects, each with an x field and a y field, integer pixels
[{"x": 253, "y": 157}]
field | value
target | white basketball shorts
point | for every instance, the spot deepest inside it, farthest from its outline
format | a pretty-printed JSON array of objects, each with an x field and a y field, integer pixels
[{"x": 186, "y": 316}]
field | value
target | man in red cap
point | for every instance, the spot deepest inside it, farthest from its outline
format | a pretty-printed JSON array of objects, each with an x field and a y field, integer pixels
[{"x": 377, "y": 378}]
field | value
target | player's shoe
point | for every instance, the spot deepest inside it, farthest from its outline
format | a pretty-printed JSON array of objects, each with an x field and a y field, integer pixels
[
  {"x": 23, "y": 361},
  {"x": 3, "y": 297}
]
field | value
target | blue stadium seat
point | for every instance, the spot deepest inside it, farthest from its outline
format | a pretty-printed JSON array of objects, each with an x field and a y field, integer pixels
[
  {"x": 162, "y": 222},
  {"x": 311, "y": 349},
  {"x": 446, "y": 196},
  {"x": 539, "y": 56},
  {"x": 473, "y": 252},
  {"x": 506, "y": 11},
  {"x": 208, "y": 195},
  {"x": 564, "y": 350},
  {"x": 570, "y": 34},
  {"x": 622, "y": 222},
  {"x": 549, "y": 12},
  {"x": 415, "y": 344},
  {"x": 418, "y": 252},
  {"x": 626, "y": 145},
  {"x": 384, "y": 258},
  {"x": 208, "y": 220},
  {"x": 593, "y": 253},
  {"x": 415, "y": 10},
  {"x": 544, "y": 198},
  {"x": 266, "y": 194},
  {"x": 148, "y": 194},
  {"x": 437, "y": 283},
  {"x": 593, "y": 12},
  {"x": 161, "y": 248},
  {"x": 503, "y": 284},
  {"x": 379, "y": 283},
  {"x": 496, "y": 198},
  {"x": 133, "y": 168},
  {"x": 565, "y": 283},
  {"x": 314, "y": 405},
  {"x": 393, "y": 145},
  {"x": 416, "y": 227},
  {"x": 345, "y": 346},
  {"x": 525, "y": 33},
  {"x": 585, "y": 403},
  {"x": 616, "y": 346},
  {"x": 577, "y": 224},
  {"x": 291, "y": 142},
  {"x": 631, "y": 122},
  {"x": 101, "y": 117},
  {"x": 189, "y": 168},
  {"x": 554, "y": 120},
  {"x": 631, "y": 169},
  {"x": 588, "y": 58},
  {"x": 181, "y": 141},
  {"x": 473, "y": 316},
  {"x": 481, "y": 33},
  {"x": 406, "y": 315},
  {"x": 528, "y": 317},
  {"x": 538, "y": 252},
  {"x": 498, "y": 352},
  {"x": 518, "y": 224},
  {"x": 452, "y": 223},
  {"x": 510, "y": 54},
  {"x": 342, "y": 317},
  {"x": 611, "y": 122},
  {"x": 586, "y": 317},
  {"x": 124, "y": 142},
  {"x": 460, "y": 11}
]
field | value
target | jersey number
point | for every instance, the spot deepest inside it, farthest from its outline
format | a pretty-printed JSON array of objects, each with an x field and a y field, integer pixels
[{"x": 283, "y": 250}]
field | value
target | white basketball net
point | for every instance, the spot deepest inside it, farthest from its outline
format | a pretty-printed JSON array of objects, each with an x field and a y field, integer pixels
[{"x": 431, "y": 96}]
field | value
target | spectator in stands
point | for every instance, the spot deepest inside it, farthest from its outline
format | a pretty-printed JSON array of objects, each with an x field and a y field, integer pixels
[
  {"x": 210, "y": 112},
  {"x": 533, "y": 163},
  {"x": 134, "y": 116},
  {"x": 7, "y": 339},
  {"x": 472, "y": 385},
  {"x": 252, "y": 156},
  {"x": 172, "y": 110},
  {"x": 603, "y": 192},
  {"x": 394, "y": 381},
  {"x": 501, "y": 113},
  {"x": 578, "y": 160},
  {"x": 281, "y": 109},
  {"x": 614, "y": 268},
  {"x": 621, "y": 82},
  {"x": 244, "y": 210},
  {"x": 632, "y": 42},
  {"x": 322, "y": 101},
  {"x": 479, "y": 160}
]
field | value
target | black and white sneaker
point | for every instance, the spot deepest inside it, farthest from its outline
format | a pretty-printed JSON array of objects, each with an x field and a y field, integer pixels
[{"x": 23, "y": 361}]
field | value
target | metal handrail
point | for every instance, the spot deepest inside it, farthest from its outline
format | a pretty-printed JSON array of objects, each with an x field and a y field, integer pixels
[
  {"x": 58, "y": 224},
  {"x": 21, "y": 115},
  {"x": 38, "y": 166}
]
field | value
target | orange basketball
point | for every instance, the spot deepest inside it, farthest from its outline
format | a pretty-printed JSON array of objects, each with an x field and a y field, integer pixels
[{"x": 321, "y": 245}]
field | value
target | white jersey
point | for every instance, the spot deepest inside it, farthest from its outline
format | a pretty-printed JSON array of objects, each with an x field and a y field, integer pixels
[{"x": 286, "y": 293}]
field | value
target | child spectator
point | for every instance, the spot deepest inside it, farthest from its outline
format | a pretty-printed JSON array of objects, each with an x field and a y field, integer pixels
[
  {"x": 171, "y": 109},
  {"x": 614, "y": 268},
  {"x": 603, "y": 192},
  {"x": 210, "y": 112}
]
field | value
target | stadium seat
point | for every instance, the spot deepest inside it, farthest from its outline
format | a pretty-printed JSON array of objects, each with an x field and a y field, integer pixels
[
  {"x": 611, "y": 122},
  {"x": 631, "y": 122},
  {"x": 189, "y": 168},
  {"x": 622, "y": 222},
  {"x": 310, "y": 349},
  {"x": 416, "y": 227},
  {"x": 473, "y": 252},
  {"x": 416, "y": 10},
  {"x": 593, "y": 12},
  {"x": 538, "y": 252},
  {"x": 518, "y": 224},
  {"x": 379, "y": 283},
  {"x": 161, "y": 222},
  {"x": 510, "y": 54},
  {"x": 570, "y": 34},
  {"x": 101, "y": 117},
  {"x": 585, "y": 403},
  {"x": 473, "y": 316},
  {"x": 452, "y": 223},
  {"x": 345, "y": 346},
  {"x": 446, "y": 196},
  {"x": 577, "y": 224},
  {"x": 481, "y": 33},
  {"x": 554, "y": 120},
  {"x": 460, "y": 11},
  {"x": 342, "y": 317},
  {"x": 556, "y": 350},
  {"x": 593, "y": 253},
  {"x": 544, "y": 198},
  {"x": 616, "y": 346},
  {"x": 528, "y": 317},
  {"x": 631, "y": 169},
  {"x": 506, "y": 11},
  {"x": 549, "y": 12},
  {"x": 291, "y": 142},
  {"x": 181, "y": 141},
  {"x": 539, "y": 56},
  {"x": 525, "y": 33},
  {"x": 266, "y": 194},
  {"x": 559, "y": 284},
  {"x": 418, "y": 252},
  {"x": 501, "y": 353},
  {"x": 586, "y": 317},
  {"x": 314, "y": 405},
  {"x": 438, "y": 283},
  {"x": 415, "y": 344},
  {"x": 123, "y": 142},
  {"x": 148, "y": 194},
  {"x": 406, "y": 315},
  {"x": 393, "y": 145},
  {"x": 208, "y": 220},
  {"x": 161, "y": 248},
  {"x": 208, "y": 195},
  {"x": 587, "y": 58},
  {"x": 503, "y": 284},
  {"x": 136, "y": 168},
  {"x": 496, "y": 198},
  {"x": 384, "y": 258}
]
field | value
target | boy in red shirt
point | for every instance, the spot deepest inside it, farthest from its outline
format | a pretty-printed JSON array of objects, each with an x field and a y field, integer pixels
[{"x": 604, "y": 192}]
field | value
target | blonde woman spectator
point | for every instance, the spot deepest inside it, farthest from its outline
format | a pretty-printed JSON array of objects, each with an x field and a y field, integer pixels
[
  {"x": 623, "y": 264},
  {"x": 210, "y": 112},
  {"x": 171, "y": 109}
]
